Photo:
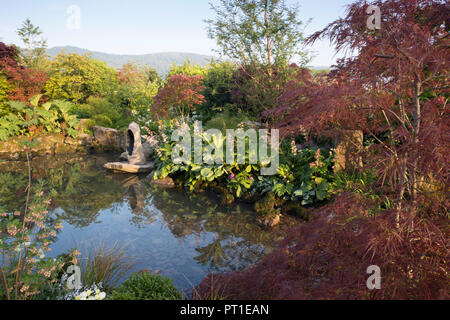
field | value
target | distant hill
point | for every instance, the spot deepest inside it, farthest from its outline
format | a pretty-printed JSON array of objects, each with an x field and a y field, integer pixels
[{"x": 160, "y": 61}]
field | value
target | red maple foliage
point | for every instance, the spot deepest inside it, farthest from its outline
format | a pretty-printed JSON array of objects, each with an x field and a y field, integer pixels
[
  {"x": 27, "y": 82},
  {"x": 328, "y": 258},
  {"x": 129, "y": 73},
  {"x": 394, "y": 89},
  {"x": 181, "y": 92}
]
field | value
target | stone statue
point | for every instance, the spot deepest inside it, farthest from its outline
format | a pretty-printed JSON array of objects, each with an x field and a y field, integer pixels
[
  {"x": 136, "y": 156},
  {"x": 135, "y": 151}
]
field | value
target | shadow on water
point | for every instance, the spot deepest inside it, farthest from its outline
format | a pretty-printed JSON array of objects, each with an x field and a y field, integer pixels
[{"x": 185, "y": 235}]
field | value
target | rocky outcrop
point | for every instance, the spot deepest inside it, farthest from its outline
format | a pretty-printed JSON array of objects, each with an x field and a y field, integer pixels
[
  {"x": 48, "y": 144},
  {"x": 110, "y": 139}
]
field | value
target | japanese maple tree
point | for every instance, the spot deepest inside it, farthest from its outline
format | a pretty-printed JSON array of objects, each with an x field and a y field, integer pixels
[
  {"x": 179, "y": 95},
  {"x": 26, "y": 82},
  {"x": 395, "y": 89}
]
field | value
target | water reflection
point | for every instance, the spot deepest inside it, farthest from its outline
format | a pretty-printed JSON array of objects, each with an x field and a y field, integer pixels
[{"x": 185, "y": 235}]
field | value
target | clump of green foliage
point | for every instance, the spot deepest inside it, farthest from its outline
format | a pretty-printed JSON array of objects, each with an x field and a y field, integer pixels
[
  {"x": 146, "y": 286},
  {"x": 101, "y": 112},
  {"x": 29, "y": 118},
  {"x": 303, "y": 175}
]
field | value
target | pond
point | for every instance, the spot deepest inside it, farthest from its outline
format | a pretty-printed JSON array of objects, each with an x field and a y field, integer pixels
[{"x": 185, "y": 235}]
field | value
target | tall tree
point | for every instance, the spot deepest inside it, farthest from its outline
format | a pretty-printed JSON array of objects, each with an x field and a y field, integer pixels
[
  {"x": 395, "y": 90},
  {"x": 35, "y": 46},
  {"x": 257, "y": 31}
]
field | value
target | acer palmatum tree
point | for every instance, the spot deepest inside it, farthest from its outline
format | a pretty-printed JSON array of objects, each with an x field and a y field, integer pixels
[
  {"x": 180, "y": 95},
  {"x": 26, "y": 82},
  {"x": 394, "y": 88}
]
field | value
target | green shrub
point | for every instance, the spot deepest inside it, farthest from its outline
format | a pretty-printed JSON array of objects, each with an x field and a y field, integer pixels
[
  {"x": 218, "y": 82},
  {"x": 146, "y": 286},
  {"x": 303, "y": 175},
  {"x": 101, "y": 112},
  {"x": 225, "y": 120},
  {"x": 31, "y": 118}
]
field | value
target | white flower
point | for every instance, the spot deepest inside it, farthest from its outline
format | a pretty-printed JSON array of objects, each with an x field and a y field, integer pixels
[
  {"x": 82, "y": 296},
  {"x": 101, "y": 296}
]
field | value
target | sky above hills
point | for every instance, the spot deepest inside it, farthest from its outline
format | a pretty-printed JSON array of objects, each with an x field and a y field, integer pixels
[{"x": 144, "y": 26}]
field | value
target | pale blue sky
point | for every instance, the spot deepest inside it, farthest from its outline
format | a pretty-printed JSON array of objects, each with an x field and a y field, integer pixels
[{"x": 143, "y": 26}]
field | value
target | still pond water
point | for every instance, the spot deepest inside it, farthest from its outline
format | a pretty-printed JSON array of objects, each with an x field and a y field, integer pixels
[{"x": 185, "y": 235}]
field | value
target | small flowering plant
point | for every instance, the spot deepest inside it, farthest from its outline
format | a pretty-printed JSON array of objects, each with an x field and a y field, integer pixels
[
  {"x": 93, "y": 292},
  {"x": 25, "y": 237}
]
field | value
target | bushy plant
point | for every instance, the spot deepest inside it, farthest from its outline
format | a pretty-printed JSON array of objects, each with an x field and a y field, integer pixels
[
  {"x": 101, "y": 112},
  {"x": 218, "y": 83},
  {"x": 25, "y": 238},
  {"x": 32, "y": 117},
  {"x": 75, "y": 78},
  {"x": 302, "y": 175},
  {"x": 226, "y": 120},
  {"x": 187, "y": 69},
  {"x": 105, "y": 265},
  {"x": 23, "y": 82},
  {"x": 179, "y": 96},
  {"x": 146, "y": 286},
  {"x": 138, "y": 86}
]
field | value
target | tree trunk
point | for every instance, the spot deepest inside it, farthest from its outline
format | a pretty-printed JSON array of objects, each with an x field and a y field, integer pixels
[{"x": 266, "y": 25}]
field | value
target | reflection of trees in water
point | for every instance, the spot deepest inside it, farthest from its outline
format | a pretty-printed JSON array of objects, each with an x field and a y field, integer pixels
[
  {"x": 212, "y": 254},
  {"x": 239, "y": 241},
  {"x": 82, "y": 189},
  {"x": 12, "y": 191}
]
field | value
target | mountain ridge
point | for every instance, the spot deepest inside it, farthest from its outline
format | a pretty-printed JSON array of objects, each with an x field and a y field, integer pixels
[{"x": 161, "y": 61}]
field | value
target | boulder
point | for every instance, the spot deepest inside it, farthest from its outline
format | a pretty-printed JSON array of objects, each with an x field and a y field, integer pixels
[
  {"x": 86, "y": 139},
  {"x": 164, "y": 182},
  {"x": 270, "y": 221},
  {"x": 349, "y": 145},
  {"x": 110, "y": 138},
  {"x": 148, "y": 149},
  {"x": 84, "y": 124}
]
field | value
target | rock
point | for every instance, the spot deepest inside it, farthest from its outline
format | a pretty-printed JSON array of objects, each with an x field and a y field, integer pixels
[
  {"x": 110, "y": 138},
  {"x": 296, "y": 209},
  {"x": 270, "y": 221},
  {"x": 86, "y": 139},
  {"x": 266, "y": 205},
  {"x": 349, "y": 144},
  {"x": 148, "y": 149},
  {"x": 226, "y": 197},
  {"x": 130, "y": 168},
  {"x": 124, "y": 156},
  {"x": 164, "y": 182},
  {"x": 248, "y": 197}
]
